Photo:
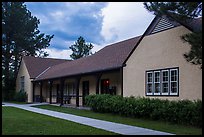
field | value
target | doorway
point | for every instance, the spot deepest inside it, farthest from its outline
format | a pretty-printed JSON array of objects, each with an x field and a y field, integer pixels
[
  {"x": 85, "y": 91},
  {"x": 105, "y": 83}
]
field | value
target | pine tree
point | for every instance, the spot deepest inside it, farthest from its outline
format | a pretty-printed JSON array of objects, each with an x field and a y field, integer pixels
[
  {"x": 80, "y": 49},
  {"x": 20, "y": 34}
]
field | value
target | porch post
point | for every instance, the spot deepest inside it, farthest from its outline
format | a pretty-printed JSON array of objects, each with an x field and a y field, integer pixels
[
  {"x": 98, "y": 77},
  {"x": 77, "y": 90},
  {"x": 50, "y": 92},
  {"x": 121, "y": 80},
  {"x": 61, "y": 91},
  {"x": 33, "y": 92},
  {"x": 41, "y": 98}
]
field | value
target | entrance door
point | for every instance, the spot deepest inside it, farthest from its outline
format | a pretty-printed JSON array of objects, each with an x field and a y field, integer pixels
[
  {"x": 105, "y": 86},
  {"x": 85, "y": 90}
]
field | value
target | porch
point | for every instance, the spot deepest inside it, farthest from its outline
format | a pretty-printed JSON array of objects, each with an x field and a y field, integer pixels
[{"x": 73, "y": 90}]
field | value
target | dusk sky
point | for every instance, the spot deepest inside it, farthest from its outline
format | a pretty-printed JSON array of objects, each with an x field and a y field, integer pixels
[{"x": 99, "y": 23}]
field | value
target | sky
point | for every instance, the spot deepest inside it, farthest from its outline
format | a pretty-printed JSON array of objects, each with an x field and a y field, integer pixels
[{"x": 99, "y": 23}]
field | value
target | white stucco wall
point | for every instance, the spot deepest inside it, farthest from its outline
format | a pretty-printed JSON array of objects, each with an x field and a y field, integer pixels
[
  {"x": 158, "y": 51},
  {"x": 27, "y": 85}
]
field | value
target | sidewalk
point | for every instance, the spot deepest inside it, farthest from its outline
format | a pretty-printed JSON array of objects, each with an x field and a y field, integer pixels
[{"x": 105, "y": 125}]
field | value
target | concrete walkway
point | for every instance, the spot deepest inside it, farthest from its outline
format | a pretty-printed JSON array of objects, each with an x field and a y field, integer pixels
[{"x": 105, "y": 125}]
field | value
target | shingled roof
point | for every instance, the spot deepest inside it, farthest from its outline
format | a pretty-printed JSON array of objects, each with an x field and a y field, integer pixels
[
  {"x": 36, "y": 65},
  {"x": 110, "y": 57}
]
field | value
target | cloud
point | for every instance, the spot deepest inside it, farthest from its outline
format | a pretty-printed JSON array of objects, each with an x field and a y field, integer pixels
[
  {"x": 60, "y": 54},
  {"x": 100, "y": 23},
  {"x": 123, "y": 20},
  {"x": 69, "y": 19},
  {"x": 65, "y": 53}
]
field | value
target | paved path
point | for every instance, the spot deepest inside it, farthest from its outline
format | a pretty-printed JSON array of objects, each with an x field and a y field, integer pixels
[{"x": 105, "y": 125}]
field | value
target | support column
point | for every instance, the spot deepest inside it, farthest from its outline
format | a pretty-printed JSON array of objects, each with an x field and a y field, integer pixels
[
  {"x": 98, "y": 77},
  {"x": 77, "y": 90},
  {"x": 50, "y": 91},
  {"x": 121, "y": 80},
  {"x": 41, "y": 97},
  {"x": 33, "y": 92},
  {"x": 61, "y": 91}
]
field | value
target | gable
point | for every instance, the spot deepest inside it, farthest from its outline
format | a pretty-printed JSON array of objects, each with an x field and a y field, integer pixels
[
  {"x": 36, "y": 65},
  {"x": 162, "y": 25}
]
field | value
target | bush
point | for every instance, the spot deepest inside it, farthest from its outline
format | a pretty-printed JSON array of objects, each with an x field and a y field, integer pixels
[
  {"x": 180, "y": 112},
  {"x": 20, "y": 96}
]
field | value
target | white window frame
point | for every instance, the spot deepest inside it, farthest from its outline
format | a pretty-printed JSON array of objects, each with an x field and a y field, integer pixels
[
  {"x": 173, "y": 81},
  {"x": 149, "y": 83},
  {"x": 159, "y": 82},
  {"x": 162, "y": 82}
]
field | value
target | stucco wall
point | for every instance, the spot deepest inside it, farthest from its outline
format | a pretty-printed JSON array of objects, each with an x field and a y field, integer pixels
[
  {"x": 162, "y": 50},
  {"x": 27, "y": 85}
]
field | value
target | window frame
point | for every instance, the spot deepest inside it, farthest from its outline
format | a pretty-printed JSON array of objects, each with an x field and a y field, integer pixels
[
  {"x": 162, "y": 81},
  {"x": 149, "y": 83},
  {"x": 169, "y": 93},
  {"x": 173, "y": 81},
  {"x": 154, "y": 83}
]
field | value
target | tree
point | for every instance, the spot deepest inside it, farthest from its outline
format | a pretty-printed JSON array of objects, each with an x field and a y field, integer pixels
[
  {"x": 184, "y": 12},
  {"x": 80, "y": 49},
  {"x": 20, "y": 35}
]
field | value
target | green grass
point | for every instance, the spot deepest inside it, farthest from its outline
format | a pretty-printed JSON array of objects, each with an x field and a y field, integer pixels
[
  {"x": 156, "y": 125},
  {"x": 21, "y": 122}
]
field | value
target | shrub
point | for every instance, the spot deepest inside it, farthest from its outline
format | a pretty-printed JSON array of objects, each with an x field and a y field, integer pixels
[
  {"x": 181, "y": 112},
  {"x": 20, "y": 96}
]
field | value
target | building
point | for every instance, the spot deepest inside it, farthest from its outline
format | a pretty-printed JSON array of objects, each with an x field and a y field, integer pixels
[{"x": 151, "y": 65}]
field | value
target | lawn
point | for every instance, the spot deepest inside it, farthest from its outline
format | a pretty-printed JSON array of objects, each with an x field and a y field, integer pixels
[
  {"x": 156, "y": 125},
  {"x": 21, "y": 122}
]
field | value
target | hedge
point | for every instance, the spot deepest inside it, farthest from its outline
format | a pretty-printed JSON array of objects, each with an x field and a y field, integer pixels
[
  {"x": 20, "y": 96},
  {"x": 184, "y": 112}
]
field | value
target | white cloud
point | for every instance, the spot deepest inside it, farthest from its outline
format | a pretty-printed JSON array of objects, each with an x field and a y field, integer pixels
[
  {"x": 65, "y": 54},
  {"x": 123, "y": 20},
  {"x": 96, "y": 48},
  {"x": 58, "y": 15},
  {"x": 59, "y": 54}
]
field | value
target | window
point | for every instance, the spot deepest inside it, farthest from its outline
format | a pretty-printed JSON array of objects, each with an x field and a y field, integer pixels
[
  {"x": 149, "y": 83},
  {"x": 174, "y": 82},
  {"x": 70, "y": 89},
  {"x": 22, "y": 83},
  {"x": 162, "y": 82},
  {"x": 157, "y": 90},
  {"x": 165, "y": 82}
]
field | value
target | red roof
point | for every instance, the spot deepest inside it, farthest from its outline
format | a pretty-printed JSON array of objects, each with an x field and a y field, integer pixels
[
  {"x": 36, "y": 65},
  {"x": 110, "y": 57}
]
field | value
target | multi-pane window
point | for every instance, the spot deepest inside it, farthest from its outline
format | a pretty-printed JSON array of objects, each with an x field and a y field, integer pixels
[
  {"x": 70, "y": 89},
  {"x": 22, "y": 83},
  {"x": 149, "y": 83},
  {"x": 156, "y": 82},
  {"x": 174, "y": 81},
  {"x": 165, "y": 82},
  {"x": 162, "y": 82}
]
